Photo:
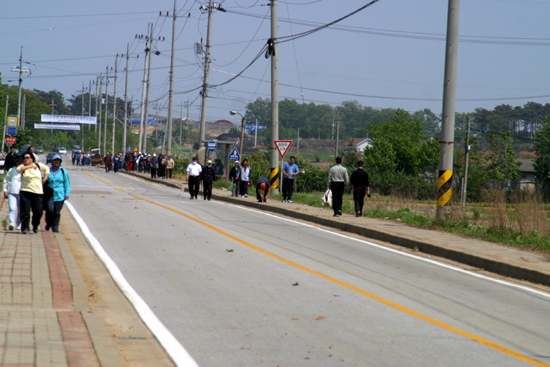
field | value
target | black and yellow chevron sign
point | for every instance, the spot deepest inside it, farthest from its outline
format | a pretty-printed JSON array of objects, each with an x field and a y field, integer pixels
[
  {"x": 444, "y": 188},
  {"x": 274, "y": 178}
]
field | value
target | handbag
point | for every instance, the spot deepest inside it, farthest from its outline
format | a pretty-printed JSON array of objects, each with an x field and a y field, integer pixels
[{"x": 327, "y": 198}]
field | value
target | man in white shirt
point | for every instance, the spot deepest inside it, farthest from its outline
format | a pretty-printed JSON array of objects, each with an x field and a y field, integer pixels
[{"x": 194, "y": 170}]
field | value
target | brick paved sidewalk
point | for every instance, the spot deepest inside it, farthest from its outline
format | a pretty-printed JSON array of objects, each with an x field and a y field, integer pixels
[{"x": 40, "y": 322}]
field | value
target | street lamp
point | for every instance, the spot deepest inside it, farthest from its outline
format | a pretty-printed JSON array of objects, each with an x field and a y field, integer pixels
[{"x": 242, "y": 131}]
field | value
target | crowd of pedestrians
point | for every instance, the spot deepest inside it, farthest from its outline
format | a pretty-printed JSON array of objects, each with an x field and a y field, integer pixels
[{"x": 81, "y": 158}]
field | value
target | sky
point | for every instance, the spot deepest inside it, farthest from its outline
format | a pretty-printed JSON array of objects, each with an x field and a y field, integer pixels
[{"x": 390, "y": 55}]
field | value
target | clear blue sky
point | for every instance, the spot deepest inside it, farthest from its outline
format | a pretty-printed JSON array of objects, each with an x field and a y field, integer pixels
[{"x": 389, "y": 55}]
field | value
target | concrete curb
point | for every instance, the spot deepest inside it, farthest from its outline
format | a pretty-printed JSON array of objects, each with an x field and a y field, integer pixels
[{"x": 491, "y": 265}]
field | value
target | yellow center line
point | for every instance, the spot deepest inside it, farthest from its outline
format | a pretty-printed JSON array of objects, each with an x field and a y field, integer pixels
[
  {"x": 106, "y": 183},
  {"x": 116, "y": 188},
  {"x": 396, "y": 306}
]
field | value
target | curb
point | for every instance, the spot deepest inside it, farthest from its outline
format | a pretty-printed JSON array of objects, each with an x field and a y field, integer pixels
[{"x": 493, "y": 266}]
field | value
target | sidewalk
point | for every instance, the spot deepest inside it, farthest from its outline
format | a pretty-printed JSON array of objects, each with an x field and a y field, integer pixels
[
  {"x": 44, "y": 314},
  {"x": 499, "y": 259}
]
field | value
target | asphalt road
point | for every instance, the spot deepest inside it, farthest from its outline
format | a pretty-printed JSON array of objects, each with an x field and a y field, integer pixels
[{"x": 239, "y": 287}]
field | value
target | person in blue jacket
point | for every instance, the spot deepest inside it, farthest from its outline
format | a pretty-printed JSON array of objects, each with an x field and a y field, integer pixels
[{"x": 58, "y": 180}]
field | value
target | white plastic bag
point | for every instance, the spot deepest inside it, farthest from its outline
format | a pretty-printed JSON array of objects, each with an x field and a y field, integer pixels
[{"x": 327, "y": 198}]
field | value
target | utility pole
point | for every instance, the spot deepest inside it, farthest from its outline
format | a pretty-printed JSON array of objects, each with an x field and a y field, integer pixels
[
  {"x": 445, "y": 181},
  {"x": 298, "y": 142},
  {"x": 106, "y": 111},
  {"x": 114, "y": 107},
  {"x": 100, "y": 113},
  {"x": 126, "y": 99},
  {"x": 171, "y": 88},
  {"x": 144, "y": 91},
  {"x": 89, "y": 101},
  {"x": 274, "y": 176},
  {"x": 5, "y": 122},
  {"x": 202, "y": 126},
  {"x": 181, "y": 120},
  {"x": 23, "y": 114},
  {"x": 337, "y": 136},
  {"x": 96, "y": 100},
  {"x": 144, "y": 146},
  {"x": 20, "y": 70},
  {"x": 466, "y": 154},
  {"x": 256, "y": 134}
]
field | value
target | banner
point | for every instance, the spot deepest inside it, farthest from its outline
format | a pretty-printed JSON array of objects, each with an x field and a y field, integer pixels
[
  {"x": 90, "y": 120},
  {"x": 57, "y": 127}
]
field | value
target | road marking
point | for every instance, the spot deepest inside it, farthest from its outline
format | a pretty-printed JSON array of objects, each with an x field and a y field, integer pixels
[
  {"x": 399, "y": 252},
  {"x": 396, "y": 306},
  {"x": 106, "y": 183},
  {"x": 171, "y": 345},
  {"x": 116, "y": 188}
]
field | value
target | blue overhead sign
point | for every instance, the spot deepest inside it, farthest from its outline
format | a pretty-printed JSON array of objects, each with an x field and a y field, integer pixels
[
  {"x": 234, "y": 156},
  {"x": 252, "y": 128},
  {"x": 212, "y": 146}
]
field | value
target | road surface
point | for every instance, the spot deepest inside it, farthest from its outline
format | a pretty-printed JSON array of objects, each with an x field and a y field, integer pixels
[{"x": 239, "y": 287}]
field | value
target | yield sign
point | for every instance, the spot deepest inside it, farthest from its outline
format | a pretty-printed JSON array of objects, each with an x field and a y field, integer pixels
[{"x": 283, "y": 146}]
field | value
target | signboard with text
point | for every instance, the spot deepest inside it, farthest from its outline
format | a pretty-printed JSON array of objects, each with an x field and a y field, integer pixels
[
  {"x": 89, "y": 120},
  {"x": 12, "y": 121},
  {"x": 57, "y": 127},
  {"x": 11, "y": 140}
]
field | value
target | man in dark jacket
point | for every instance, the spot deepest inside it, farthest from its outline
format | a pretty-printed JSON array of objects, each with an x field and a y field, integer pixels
[
  {"x": 10, "y": 159},
  {"x": 208, "y": 176},
  {"x": 360, "y": 181}
]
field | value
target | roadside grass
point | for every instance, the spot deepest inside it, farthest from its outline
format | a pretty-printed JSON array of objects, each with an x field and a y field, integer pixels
[{"x": 520, "y": 221}]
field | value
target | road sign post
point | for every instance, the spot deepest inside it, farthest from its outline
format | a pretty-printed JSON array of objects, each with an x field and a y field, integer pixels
[{"x": 282, "y": 147}]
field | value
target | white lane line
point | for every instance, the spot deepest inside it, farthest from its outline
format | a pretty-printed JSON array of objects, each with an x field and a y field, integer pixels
[
  {"x": 175, "y": 350},
  {"x": 372, "y": 244}
]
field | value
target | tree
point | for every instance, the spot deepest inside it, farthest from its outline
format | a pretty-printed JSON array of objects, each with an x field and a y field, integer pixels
[
  {"x": 401, "y": 158},
  {"x": 541, "y": 145},
  {"x": 501, "y": 162}
]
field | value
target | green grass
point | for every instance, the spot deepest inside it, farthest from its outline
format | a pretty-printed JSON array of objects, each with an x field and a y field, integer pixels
[{"x": 506, "y": 235}]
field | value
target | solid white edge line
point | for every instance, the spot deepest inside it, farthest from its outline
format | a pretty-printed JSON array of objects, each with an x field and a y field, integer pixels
[
  {"x": 372, "y": 244},
  {"x": 173, "y": 348}
]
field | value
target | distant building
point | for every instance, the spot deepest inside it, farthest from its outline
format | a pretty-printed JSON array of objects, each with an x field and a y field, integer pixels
[
  {"x": 527, "y": 182},
  {"x": 361, "y": 143}
]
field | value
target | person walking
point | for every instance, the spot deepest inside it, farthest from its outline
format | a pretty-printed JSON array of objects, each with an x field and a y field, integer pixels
[
  {"x": 234, "y": 177},
  {"x": 154, "y": 166},
  {"x": 290, "y": 170},
  {"x": 337, "y": 181},
  {"x": 360, "y": 181},
  {"x": 170, "y": 165},
  {"x": 59, "y": 181},
  {"x": 244, "y": 178},
  {"x": 162, "y": 166},
  {"x": 11, "y": 187},
  {"x": 33, "y": 177},
  {"x": 262, "y": 185},
  {"x": 208, "y": 176},
  {"x": 108, "y": 162},
  {"x": 11, "y": 158},
  {"x": 194, "y": 170},
  {"x": 116, "y": 163}
]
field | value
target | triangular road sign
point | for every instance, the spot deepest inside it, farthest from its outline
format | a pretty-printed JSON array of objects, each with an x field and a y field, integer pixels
[{"x": 283, "y": 146}]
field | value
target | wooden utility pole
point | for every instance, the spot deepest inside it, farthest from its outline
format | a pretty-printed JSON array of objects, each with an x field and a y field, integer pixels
[
  {"x": 274, "y": 175},
  {"x": 466, "y": 154},
  {"x": 171, "y": 87},
  {"x": 202, "y": 126},
  {"x": 337, "y": 137},
  {"x": 144, "y": 145}
]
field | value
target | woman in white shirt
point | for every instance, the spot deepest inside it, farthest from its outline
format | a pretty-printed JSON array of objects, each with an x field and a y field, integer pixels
[{"x": 12, "y": 186}]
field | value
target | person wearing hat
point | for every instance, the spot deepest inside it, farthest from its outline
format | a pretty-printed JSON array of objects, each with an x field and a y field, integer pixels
[
  {"x": 33, "y": 177},
  {"x": 208, "y": 176},
  {"x": 234, "y": 177},
  {"x": 262, "y": 185},
  {"x": 154, "y": 166},
  {"x": 194, "y": 170},
  {"x": 59, "y": 181},
  {"x": 245, "y": 175},
  {"x": 11, "y": 186}
]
